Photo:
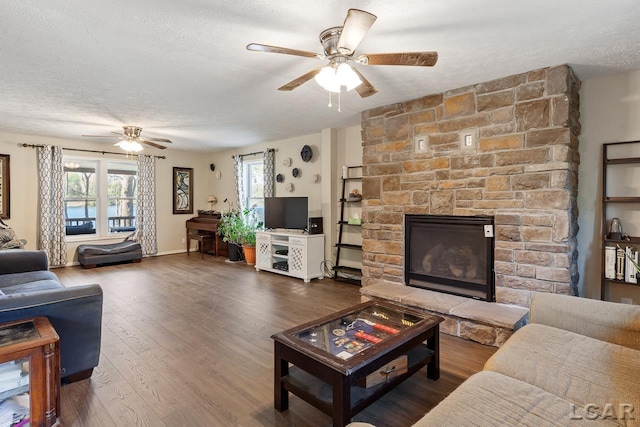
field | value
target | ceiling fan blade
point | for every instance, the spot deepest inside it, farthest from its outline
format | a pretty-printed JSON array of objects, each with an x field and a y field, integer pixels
[
  {"x": 99, "y": 136},
  {"x": 300, "y": 80},
  {"x": 419, "y": 59},
  {"x": 153, "y": 144},
  {"x": 118, "y": 133},
  {"x": 365, "y": 88},
  {"x": 168, "y": 141},
  {"x": 284, "y": 50},
  {"x": 355, "y": 27}
]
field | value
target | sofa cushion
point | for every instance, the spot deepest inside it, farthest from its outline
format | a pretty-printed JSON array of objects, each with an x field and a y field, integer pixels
[
  {"x": 574, "y": 367},
  {"x": 34, "y": 286},
  {"x": 114, "y": 248},
  {"x": 608, "y": 321},
  {"x": 86, "y": 228},
  {"x": 8, "y": 280},
  {"x": 492, "y": 399}
]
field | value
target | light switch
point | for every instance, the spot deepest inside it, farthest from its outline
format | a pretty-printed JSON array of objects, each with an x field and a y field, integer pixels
[
  {"x": 468, "y": 139},
  {"x": 421, "y": 143}
]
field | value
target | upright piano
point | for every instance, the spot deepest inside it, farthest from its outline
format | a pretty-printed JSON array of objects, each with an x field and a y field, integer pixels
[{"x": 207, "y": 223}]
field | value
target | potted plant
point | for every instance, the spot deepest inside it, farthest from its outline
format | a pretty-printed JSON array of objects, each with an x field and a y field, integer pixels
[
  {"x": 248, "y": 238},
  {"x": 231, "y": 228}
]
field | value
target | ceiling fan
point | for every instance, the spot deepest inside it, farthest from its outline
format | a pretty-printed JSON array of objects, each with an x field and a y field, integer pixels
[
  {"x": 339, "y": 45},
  {"x": 130, "y": 140}
]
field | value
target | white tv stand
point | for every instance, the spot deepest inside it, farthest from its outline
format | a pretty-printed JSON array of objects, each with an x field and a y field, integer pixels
[{"x": 290, "y": 253}]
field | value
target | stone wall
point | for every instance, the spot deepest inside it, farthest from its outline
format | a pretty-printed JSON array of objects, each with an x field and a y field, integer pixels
[{"x": 522, "y": 169}]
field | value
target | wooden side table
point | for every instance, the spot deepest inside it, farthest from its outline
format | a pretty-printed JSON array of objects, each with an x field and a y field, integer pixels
[{"x": 30, "y": 372}]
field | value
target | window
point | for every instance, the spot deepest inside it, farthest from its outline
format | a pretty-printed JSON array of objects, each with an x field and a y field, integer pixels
[
  {"x": 122, "y": 187},
  {"x": 100, "y": 196},
  {"x": 254, "y": 186}
]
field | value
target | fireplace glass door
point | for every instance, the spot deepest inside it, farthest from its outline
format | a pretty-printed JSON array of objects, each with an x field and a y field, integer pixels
[{"x": 452, "y": 254}]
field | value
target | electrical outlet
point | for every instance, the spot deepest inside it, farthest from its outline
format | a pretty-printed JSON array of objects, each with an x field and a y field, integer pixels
[
  {"x": 184, "y": 240},
  {"x": 626, "y": 300},
  {"x": 488, "y": 231}
]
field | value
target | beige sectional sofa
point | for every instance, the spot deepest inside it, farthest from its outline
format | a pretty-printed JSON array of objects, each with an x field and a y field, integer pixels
[{"x": 576, "y": 363}]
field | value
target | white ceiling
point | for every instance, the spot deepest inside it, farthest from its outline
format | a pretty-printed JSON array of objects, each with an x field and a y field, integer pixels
[{"x": 180, "y": 69}]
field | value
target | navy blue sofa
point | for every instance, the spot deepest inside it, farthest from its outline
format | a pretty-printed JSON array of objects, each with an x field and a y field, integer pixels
[{"x": 28, "y": 289}]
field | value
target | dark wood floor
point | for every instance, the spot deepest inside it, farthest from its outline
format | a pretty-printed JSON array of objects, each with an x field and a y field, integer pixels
[{"x": 186, "y": 342}]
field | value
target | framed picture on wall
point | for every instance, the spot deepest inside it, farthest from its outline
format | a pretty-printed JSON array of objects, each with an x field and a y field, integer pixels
[
  {"x": 182, "y": 190},
  {"x": 4, "y": 186}
]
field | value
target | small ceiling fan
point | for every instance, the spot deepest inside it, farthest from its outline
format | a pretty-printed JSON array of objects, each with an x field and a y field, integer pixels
[
  {"x": 130, "y": 137},
  {"x": 339, "y": 45}
]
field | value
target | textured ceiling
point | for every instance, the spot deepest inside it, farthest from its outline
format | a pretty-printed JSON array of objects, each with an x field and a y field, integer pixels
[{"x": 180, "y": 69}]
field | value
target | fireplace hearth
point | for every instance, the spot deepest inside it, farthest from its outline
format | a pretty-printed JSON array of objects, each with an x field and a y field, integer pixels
[{"x": 451, "y": 254}]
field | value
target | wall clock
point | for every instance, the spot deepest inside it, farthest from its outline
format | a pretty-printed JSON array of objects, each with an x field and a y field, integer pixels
[{"x": 306, "y": 153}]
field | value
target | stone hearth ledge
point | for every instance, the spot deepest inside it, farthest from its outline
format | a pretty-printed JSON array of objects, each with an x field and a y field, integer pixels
[{"x": 488, "y": 323}]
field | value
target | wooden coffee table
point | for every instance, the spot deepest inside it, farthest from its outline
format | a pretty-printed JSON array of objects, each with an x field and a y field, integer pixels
[{"x": 333, "y": 356}]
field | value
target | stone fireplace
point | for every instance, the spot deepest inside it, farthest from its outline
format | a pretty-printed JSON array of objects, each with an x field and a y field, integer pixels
[{"x": 506, "y": 148}]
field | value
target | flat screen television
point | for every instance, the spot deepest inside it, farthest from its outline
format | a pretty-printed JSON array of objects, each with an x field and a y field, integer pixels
[{"x": 286, "y": 212}]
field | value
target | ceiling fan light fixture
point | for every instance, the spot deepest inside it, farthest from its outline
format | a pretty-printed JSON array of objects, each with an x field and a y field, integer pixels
[
  {"x": 130, "y": 146},
  {"x": 347, "y": 77},
  {"x": 327, "y": 79},
  {"x": 332, "y": 78}
]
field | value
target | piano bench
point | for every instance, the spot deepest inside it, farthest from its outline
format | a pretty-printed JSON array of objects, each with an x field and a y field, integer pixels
[
  {"x": 202, "y": 238},
  {"x": 91, "y": 255}
]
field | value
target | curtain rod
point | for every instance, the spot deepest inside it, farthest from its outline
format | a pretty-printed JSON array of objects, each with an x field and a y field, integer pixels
[
  {"x": 254, "y": 153},
  {"x": 86, "y": 151}
]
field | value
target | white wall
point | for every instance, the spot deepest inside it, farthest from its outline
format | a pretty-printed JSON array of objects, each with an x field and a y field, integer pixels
[
  {"x": 24, "y": 189},
  {"x": 610, "y": 112},
  {"x": 289, "y": 148},
  {"x": 331, "y": 149}
]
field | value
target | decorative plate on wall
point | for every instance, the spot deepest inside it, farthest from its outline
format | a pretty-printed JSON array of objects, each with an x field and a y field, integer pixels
[
  {"x": 295, "y": 172},
  {"x": 306, "y": 153},
  {"x": 280, "y": 177},
  {"x": 218, "y": 174},
  {"x": 287, "y": 161},
  {"x": 289, "y": 187}
]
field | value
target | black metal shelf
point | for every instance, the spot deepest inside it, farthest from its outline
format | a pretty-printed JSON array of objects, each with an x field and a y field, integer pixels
[
  {"x": 348, "y": 246},
  {"x": 607, "y": 202},
  {"x": 622, "y": 199},
  {"x": 631, "y": 240},
  {"x": 620, "y": 282},
  {"x": 341, "y": 269},
  {"x": 623, "y": 161}
]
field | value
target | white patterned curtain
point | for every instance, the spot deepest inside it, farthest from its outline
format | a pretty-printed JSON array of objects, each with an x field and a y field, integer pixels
[
  {"x": 269, "y": 172},
  {"x": 52, "y": 232},
  {"x": 146, "y": 230},
  {"x": 239, "y": 171}
]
